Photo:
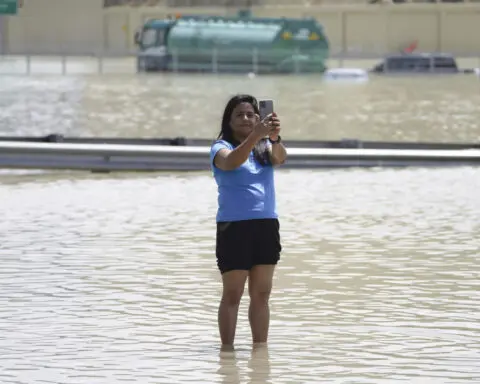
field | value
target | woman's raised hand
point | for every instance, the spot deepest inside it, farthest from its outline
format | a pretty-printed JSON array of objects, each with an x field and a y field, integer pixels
[{"x": 265, "y": 126}]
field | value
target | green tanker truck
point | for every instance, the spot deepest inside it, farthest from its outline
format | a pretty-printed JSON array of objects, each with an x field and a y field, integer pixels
[{"x": 239, "y": 44}]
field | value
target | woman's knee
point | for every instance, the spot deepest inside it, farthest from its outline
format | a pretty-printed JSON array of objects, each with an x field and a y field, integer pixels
[
  {"x": 260, "y": 294},
  {"x": 233, "y": 287},
  {"x": 232, "y": 296},
  {"x": 260, "y": 291},
  {"x": 260, "y": 283}
]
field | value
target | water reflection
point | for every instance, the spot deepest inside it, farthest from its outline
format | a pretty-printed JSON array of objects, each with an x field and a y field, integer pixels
[
  {"x": 259, "y": 365},
  {"x": 229, "y": 371},
  {"x": 233, "y": 370}
]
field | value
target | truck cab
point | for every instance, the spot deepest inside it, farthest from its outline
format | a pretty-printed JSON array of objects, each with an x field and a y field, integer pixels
[{"x": 151, "y": 41}]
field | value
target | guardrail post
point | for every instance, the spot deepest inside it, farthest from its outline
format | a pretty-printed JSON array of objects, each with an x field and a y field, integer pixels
[
  {"x": 100, "y": 63},
  {"x": 215, "y": 60},
  {"x": 296, "y": 63},
  {"x": 64, "y": 65},
  {"x": 175, "y": 60},
  {"x": 28, "y": 64},
  {"x": 255, "y": 60}
]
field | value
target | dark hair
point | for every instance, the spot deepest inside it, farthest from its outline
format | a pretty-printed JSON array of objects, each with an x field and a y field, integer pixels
[{"x": 260, "y": 151}]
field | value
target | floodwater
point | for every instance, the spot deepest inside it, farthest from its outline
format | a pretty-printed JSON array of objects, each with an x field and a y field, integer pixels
[
  {"x": 111, "y": 278},
  {"x": 119, "y": 103}
]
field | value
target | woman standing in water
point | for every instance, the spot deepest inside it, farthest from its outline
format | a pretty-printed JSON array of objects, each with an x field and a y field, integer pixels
[{"x": 248, "y": 237}]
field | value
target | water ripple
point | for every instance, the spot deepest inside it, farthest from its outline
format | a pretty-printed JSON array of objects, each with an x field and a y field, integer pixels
[{"x": 110, "y": 278}]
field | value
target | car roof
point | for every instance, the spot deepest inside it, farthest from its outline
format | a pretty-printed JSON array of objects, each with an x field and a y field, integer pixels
[{"x": 420, "y": 55}]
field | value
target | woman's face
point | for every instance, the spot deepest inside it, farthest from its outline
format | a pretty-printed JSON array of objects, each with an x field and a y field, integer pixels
[{"x": 243, "y": 121}]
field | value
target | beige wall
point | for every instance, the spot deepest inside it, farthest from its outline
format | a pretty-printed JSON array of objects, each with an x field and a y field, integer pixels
[
  {"x": 83, "y": 27},
  {"x": 52, "y": 26},
  {"x": 447, "y": 28}
]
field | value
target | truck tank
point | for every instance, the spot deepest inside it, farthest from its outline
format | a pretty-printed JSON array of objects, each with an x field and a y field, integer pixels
[{"x": 221, "y": 44}]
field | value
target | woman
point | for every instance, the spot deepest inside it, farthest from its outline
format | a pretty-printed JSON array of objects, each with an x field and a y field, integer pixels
[{"x": 248, "y": 239}]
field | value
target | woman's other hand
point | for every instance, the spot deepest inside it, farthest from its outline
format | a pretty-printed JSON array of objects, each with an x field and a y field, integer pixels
[
  {"x": 264, "y": 127},
  {"x": 275, "y": 131}
]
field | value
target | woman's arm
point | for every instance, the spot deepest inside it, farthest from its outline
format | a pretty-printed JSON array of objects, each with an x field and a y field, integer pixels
[
  {"x": 230, "y": 159},
  {"x": 278, "y": 153}
]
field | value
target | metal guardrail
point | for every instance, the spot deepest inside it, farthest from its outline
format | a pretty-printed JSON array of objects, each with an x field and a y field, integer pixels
[
  {"x": 214, "y": 3},
  {"x": 213, "y": 61},
  {"x": 67, "y": 64},
  {"x": 127, "y": 63},
  {"x": 125, "y": 157},
  {"x": 247, "y": 3},
  {"x": 102, "y": 64}
]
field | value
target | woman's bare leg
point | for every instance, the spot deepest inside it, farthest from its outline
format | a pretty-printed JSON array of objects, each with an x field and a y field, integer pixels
[
  {"x": 259, "y": 287},
  {"x": 233, "y": 287}
]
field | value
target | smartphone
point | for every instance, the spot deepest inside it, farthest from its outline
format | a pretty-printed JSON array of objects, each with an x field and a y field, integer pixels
[{"x": 265, "y": 107}]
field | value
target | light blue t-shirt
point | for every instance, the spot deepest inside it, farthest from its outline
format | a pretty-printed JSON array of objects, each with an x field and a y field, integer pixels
[{"x": 245, "y": 193}]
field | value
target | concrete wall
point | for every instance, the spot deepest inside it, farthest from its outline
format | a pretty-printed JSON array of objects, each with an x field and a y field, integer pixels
[
  {"x": 447, "y": 28},
  {"x": 84, "y": 27},
  {"x": 53, "y": 26}
]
